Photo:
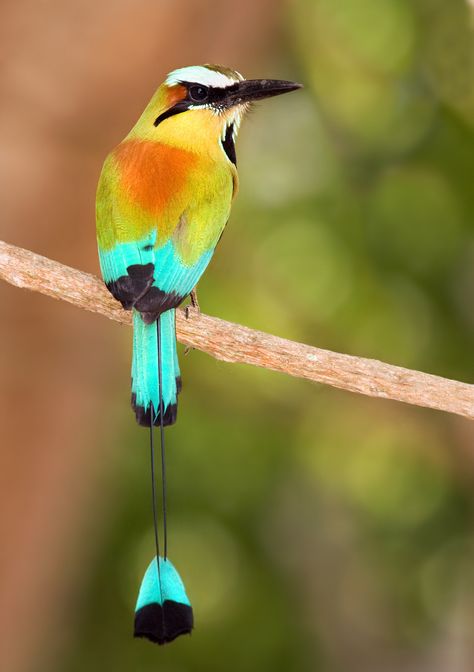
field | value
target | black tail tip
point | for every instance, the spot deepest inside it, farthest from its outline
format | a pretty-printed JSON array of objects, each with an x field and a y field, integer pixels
[
  {"x": 162, "y": 624},
  {"x": 143, "y": 416}
]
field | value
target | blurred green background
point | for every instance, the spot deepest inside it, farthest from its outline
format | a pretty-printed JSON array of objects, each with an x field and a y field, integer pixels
[{"x": 314, "y": 529}]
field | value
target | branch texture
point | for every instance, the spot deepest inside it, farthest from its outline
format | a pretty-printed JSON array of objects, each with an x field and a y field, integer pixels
[{"x": 234, "y": 343}]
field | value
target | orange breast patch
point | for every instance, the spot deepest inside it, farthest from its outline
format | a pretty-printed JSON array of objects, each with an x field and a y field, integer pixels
[{"x": 153, "y": 173}]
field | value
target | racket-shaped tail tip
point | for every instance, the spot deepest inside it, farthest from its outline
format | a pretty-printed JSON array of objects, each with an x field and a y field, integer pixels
[
  {"x": 162, "y": 612},
  {"x": 163, "y": 623}
]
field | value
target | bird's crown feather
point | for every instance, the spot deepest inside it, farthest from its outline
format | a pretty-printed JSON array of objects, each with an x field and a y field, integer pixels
[{"x": 208, "y": 75}]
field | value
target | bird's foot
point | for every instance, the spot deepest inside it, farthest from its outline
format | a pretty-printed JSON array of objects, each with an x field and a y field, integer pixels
[
  {"x": 194, "y": 300},
  {"x": 194, "y": 305}
]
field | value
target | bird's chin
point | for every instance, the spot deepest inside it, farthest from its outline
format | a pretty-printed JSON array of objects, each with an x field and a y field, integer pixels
[{"x": 234, "y": 115}]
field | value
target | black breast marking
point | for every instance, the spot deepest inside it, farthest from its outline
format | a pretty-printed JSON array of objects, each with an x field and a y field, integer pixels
[{"x": 228, "y": 144}]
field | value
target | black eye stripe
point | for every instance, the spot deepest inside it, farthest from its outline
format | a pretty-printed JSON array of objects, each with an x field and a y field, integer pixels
[{"x": 215, "y": 96}]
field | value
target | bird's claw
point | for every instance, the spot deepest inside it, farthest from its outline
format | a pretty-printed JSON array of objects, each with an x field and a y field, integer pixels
[
  {"x": 194, "y": 300},
  {"x": 193, "y": 306}
]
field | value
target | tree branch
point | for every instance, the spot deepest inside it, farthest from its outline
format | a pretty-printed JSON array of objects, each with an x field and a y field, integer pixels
[{"x": 234, "y": 343}]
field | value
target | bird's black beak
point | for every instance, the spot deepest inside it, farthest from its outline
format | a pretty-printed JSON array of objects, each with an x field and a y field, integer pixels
[{"x": 256, "y": 89}]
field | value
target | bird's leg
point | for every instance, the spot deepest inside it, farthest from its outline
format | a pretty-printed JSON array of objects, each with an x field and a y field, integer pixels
[
  {"x": 195, "y": 306},
  {"x": 194, "y": 303},
  {"x": 194, "y": 300}
]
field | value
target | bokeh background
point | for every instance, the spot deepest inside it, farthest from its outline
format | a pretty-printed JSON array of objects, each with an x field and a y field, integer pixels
[{"x": 315, "y": 529}]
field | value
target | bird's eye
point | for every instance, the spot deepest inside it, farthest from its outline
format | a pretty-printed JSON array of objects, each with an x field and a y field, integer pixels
[{"x": 198, "y": 93}]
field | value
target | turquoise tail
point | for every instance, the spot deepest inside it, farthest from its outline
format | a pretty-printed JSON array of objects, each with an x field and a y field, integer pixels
[
  {"x": 145, "y": 386},
  {"x": 163, "y": 610}
]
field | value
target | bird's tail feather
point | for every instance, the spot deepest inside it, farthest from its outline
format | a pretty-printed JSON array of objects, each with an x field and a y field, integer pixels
[
  {"x": 163, "y": 611},
  {"x": 145, "y": 384}
]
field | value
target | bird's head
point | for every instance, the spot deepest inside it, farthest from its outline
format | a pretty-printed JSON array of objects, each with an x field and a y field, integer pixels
[{"x": 204, "y": 104}]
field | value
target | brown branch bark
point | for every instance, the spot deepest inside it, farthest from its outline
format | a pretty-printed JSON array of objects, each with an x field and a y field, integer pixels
[{"x": 234, "y": 343}]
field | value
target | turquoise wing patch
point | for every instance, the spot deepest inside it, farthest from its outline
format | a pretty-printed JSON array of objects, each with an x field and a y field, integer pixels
[
  {"x": 172, "y": 275},
  {"x": 115, "y": 262}
]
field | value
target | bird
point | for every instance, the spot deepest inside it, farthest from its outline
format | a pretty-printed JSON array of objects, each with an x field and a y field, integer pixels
[{"x": 163, "y": 200}]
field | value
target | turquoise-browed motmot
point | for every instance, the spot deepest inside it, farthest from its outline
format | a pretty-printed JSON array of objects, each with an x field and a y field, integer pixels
[{"x": 163, "y": 200}]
